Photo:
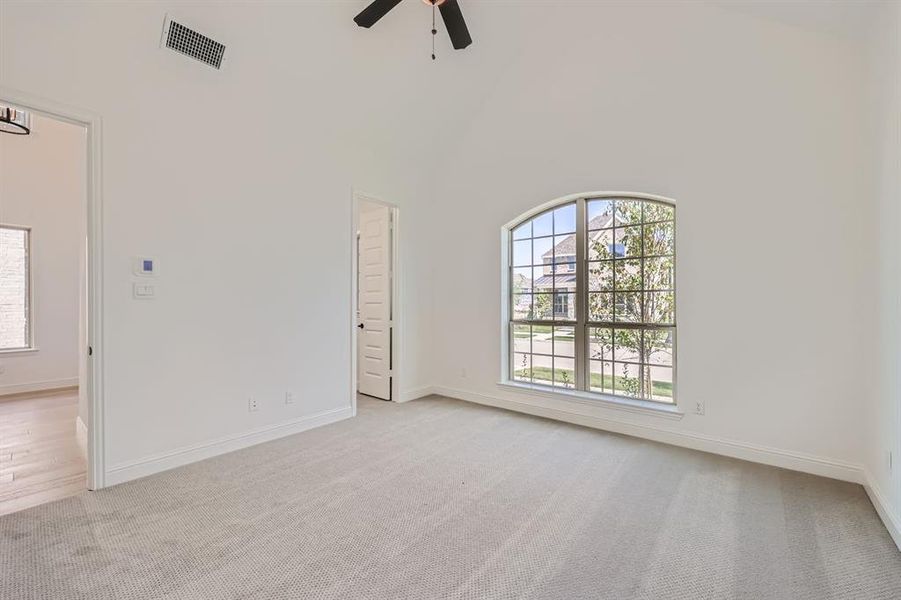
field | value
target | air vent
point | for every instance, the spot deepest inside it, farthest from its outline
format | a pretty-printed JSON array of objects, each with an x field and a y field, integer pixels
[{"x": 191, "y": 43}]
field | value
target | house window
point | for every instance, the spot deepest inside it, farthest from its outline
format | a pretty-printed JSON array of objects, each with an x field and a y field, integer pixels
[
  {"x": 15, "y": 284},
  {"x": 592, "y": 297},
  {"x": 561, "y": 304}
]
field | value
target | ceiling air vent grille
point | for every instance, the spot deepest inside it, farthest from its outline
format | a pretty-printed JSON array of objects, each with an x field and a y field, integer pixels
[{"x": 193, "y": 44}]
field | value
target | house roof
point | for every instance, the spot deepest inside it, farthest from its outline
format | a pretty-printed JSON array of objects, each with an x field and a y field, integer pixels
[
  {"x": 568, "y": 246},
  {"x": 547, "y": 281}
]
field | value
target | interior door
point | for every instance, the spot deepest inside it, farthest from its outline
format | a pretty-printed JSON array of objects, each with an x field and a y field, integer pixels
[{"x": 374, "y": 333}]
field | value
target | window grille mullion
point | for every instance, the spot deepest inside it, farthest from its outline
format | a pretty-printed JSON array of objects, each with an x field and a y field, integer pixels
[
  {"x": 640, "y": 292},
  {"x": 582, "y": 377}
]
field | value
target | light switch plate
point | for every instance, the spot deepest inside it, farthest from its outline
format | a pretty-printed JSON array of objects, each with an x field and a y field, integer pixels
[{"x": 144, "y": 291}]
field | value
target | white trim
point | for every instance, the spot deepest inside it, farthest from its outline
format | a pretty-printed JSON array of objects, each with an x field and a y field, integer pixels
[
  {"x": 507, "y": 232},
  {"x": 38, "y": 386},
  {"x": 572, "y": 412},
  {"x": 883, "y": 507},
  {"x": 397, "y": 311},
  {"x": 93, "y": 125},
  {"x": 417, "y": 393},
  {"x": 14, "y": 351},
  {"x": 164, "y": 461},
  {"x": 647, "y": 407},
  {"x": 81, "y": 436},
  {"x": 355, "y": 249},
  {"x": 504, "y": 333},
  {"x": 573, "y": 197},
  {"x": 29, "y": 300},
  {"x": 750, "y": 452}
]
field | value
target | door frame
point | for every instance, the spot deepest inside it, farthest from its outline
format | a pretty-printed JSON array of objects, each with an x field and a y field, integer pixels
[
  {"x": 396, "y": 309},
  {"x": 93, "y": 124}
]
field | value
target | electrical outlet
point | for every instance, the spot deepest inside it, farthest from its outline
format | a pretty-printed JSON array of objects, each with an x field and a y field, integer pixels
[
  {"x": 289, "y": 398},
  {"x": 2, "y": 369},
  {"x": 463, "y": 373},
  {"x": 699, "y": 408},
  {"x": 252, "y": 405}
]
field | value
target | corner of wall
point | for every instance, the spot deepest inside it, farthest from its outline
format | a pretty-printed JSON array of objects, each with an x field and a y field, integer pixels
[{"x": 884, "y": 509}]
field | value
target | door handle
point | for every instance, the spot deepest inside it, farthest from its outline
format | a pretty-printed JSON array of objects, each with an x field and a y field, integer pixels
[{"x": 360, "y": 326}]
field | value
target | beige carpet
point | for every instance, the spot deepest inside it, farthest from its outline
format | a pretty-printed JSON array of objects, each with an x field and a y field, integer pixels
[{"x": 442, "y": 499}]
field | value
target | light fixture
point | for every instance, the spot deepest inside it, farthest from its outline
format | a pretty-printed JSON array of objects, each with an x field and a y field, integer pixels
[
  {"x": 434, "y": 2},
  {"x": 14, "y": 121}
]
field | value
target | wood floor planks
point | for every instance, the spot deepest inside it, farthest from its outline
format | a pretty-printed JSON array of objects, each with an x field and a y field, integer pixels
[{"x": 40, "y": 460}]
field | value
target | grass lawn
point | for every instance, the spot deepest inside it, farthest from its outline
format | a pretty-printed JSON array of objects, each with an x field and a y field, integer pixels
[
  {"x": 559, "y": 338},
  {"x": 543, "y": 330},
  {"x": 542, "y": 374}
]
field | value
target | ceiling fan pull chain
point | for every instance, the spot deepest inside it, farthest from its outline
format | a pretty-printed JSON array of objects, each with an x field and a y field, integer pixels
[
  {"x": 434, "y": 31},
  {"x": 454, "y": 23}
]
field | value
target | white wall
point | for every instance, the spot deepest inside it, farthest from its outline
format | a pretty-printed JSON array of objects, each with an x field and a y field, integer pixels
[
  {"x": 883, "y": 426},
  {"x": 753, "y": 126},
  {"x": 239, "y": 183},
  {"x": 42, "y": 186}
]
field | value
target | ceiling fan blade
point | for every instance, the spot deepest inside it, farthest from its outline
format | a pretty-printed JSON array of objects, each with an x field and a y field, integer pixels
[
  {"x": 456, "y": 26},
  {"x": 375, "y": 11}
]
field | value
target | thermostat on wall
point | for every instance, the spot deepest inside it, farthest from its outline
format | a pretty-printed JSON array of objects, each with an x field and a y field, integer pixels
[{"x": 145, "y": 266}]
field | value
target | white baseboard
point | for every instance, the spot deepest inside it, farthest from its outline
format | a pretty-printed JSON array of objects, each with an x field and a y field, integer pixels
[
  {"x": 576, "y": 413},
  {"x": 751, "y": 452},
  {"x": 884, "y": 509},
  {"x": 416, "y": 393},
  {"x": 169, "y": 460},
  {"x": 37, "y": 386},
  {"x": 81, "y": 436}
]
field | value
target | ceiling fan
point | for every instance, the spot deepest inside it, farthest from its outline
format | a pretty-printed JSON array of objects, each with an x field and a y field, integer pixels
[{"x": 450, "y": 12}]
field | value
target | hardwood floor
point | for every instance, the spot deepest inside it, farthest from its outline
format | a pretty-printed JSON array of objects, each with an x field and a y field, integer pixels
[{"x": 40, "y": 460}]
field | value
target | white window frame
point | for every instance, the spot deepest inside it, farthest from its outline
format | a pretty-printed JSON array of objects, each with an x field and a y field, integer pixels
[
  {"x": 29, "y": 290},
  {"x": 506, "y": 357}
]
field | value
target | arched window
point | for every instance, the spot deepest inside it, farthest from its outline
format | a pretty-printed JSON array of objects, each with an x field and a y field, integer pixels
[{"x": 592, "y": 301}]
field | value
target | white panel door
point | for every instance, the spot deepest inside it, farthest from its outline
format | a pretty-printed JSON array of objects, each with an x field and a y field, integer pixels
[{"x": 374, "y": 333}]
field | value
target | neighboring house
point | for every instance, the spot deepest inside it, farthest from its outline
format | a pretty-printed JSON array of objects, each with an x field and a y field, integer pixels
[
  {"x": 560, "y": 264},
  {"x": 522, "y": 284}
]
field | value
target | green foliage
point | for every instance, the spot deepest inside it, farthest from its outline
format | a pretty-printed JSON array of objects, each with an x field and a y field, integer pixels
[
  {"x": 654, "y": 211},
  {"x": 606, "y": 383},
  {"x": 518, "y": 282},
  {"x": 659, "y": 239},
  {"x": 631, "y": 385},
  {"x": 600, "y": 306},
  {"x": 543, "y": 307},
  {"x": 628, "y": 274},
  {"x": 599, "y": 246},
  {"x": 601, "y": 343},
  {"x": 634, "y": 285}
]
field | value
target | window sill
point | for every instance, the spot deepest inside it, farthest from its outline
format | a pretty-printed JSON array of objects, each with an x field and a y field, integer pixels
[
  {"x": 667, "y": 411},
  {"x": 14, "y": 351}
]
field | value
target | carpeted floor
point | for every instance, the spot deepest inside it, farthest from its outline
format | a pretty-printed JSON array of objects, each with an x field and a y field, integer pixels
[{"x": 442, "y": 499}]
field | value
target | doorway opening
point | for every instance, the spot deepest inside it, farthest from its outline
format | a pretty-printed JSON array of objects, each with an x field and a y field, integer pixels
[
  {"x": 375, "y": 309},
  {"x": 49, "y": 445}
]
